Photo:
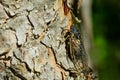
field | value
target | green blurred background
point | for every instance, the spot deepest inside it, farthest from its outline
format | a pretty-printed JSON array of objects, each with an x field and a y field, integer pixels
[{"x": 106, "y": 30}]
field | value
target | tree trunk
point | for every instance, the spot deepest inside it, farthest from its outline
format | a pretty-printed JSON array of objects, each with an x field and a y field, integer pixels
[
  {"x": 87, "y": 27},
  {"x": 32, "y": 46}
]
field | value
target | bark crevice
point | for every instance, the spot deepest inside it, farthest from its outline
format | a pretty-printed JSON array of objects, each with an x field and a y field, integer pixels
[{"x": 17, "y": 74}]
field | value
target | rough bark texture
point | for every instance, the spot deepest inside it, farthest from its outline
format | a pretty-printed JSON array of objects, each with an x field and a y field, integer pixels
[{"x": 30, "y": 40}]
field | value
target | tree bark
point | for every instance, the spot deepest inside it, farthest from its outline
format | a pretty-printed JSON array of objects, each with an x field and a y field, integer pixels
[{"x": 32, "y": 46}]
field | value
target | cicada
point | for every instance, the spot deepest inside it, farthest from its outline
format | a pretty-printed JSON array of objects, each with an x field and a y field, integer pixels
[{"x": 76, "y": 52}]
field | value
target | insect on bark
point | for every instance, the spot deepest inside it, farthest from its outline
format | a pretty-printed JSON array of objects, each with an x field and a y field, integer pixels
[{"x": 77, "y": 55}]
